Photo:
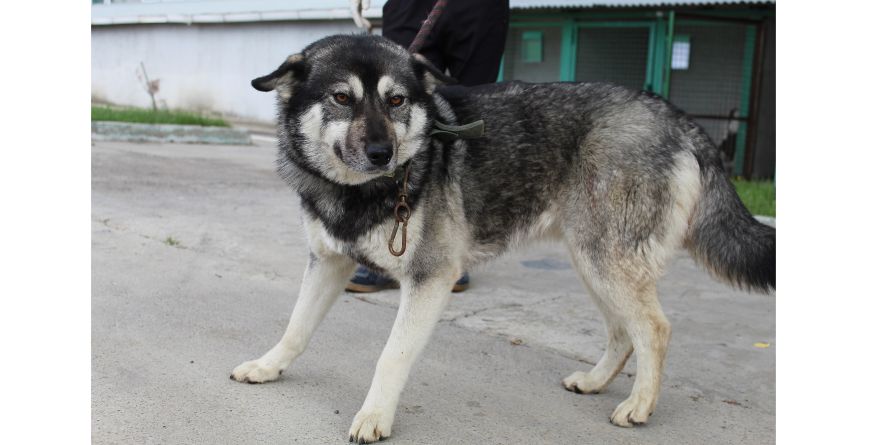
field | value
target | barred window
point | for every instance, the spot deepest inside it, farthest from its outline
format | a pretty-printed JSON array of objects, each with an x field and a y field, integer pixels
[{"x": 680, "y": 53}]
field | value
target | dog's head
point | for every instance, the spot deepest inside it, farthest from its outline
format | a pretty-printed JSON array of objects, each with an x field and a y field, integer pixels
[{"x": 353, "y": 108}]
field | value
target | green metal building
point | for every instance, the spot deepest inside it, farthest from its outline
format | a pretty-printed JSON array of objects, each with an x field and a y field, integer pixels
[{"x": 714, "y": 60}]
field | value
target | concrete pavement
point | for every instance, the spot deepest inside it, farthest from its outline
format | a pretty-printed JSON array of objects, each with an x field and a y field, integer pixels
[{"x": 197, "y": 257}]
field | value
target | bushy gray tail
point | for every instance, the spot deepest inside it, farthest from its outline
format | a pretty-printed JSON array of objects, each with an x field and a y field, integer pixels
[{"x": 726, "y": 238}]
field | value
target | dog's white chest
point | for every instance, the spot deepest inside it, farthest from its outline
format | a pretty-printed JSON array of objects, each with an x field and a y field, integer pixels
[{"x": 371, "y": 247}]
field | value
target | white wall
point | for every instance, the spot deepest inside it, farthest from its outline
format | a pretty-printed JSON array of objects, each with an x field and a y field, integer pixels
[{"x": 200, "y": 67}]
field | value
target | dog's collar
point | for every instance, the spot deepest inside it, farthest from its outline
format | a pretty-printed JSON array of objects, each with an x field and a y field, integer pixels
[
  {"x": 402, "y": 211},
  {"x": 449, "y": 133},
  {"x": 398, "y": 173}
]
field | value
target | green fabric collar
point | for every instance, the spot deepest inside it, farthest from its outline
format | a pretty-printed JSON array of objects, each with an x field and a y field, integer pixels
[{"x": 449, "y": 133}]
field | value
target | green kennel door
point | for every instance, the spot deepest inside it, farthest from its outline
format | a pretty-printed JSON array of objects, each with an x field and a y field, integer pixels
[{"x": 615, "y": 52}]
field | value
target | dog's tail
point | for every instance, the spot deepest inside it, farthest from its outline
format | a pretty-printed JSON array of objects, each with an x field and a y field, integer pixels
[{"x": 725, "y": 237}]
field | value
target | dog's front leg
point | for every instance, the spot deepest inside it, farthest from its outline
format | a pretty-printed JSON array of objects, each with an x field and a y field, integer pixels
[
  {"x": 324, "y": 280},
  {"x": 420, "y": 307}
]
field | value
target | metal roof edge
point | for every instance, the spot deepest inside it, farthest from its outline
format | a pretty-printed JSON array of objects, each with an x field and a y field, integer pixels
[
  {"x": 601, "y": 4},
  {"x": 233, "y": 17},
  {"x": 233, "y": 11}
]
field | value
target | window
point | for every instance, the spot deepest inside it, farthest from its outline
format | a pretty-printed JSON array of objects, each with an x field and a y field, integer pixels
[
  {"x": 680, "y": 53},
  {"x": 531, "y": 48}
]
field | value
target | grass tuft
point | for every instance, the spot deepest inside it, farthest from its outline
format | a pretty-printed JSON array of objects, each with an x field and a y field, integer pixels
[
  {"x": 757, "y": 196},
  {"x": 170, "y": 241},
  {"x": 144, "y": 116}
]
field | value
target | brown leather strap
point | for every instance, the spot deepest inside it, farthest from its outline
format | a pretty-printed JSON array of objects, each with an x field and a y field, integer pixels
[{"x": 402, "y": 212}]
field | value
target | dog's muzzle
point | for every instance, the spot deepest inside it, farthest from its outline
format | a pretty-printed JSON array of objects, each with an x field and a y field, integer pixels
[{"x": 379, "y": 154}]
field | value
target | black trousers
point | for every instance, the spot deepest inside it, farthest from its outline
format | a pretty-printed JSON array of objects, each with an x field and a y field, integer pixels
[{"x": 468, "y": 38}]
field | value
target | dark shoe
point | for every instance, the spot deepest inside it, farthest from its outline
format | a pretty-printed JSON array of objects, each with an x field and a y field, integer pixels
[
  {"x": 365, "y": 281},
  {"x": 462, "y": 284}
]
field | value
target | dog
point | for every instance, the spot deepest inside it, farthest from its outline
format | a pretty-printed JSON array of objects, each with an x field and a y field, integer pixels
[{"x": 371, "y": 138}]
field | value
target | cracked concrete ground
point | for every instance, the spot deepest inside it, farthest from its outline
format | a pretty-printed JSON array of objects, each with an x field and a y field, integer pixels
[{"x": 197, "y": 257}]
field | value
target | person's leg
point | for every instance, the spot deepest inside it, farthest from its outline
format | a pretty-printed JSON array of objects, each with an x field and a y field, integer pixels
[
  {"x": 474, "y": 35},
  {"x": 367, "y": 281},
  {"x": 462, "y": 284},
  {"x": 401, "y": 20}
]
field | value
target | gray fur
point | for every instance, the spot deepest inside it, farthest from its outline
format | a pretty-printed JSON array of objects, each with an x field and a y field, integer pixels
[{"x": 622, "y": 176}]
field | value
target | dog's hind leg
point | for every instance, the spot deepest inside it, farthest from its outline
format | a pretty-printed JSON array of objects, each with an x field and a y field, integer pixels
[
  {"x": 619, "y": 346},
  {"x": 420, "y": 308},
  {"x": 618, "y": 350},
  {"x": 324, "y": 280},
  {"x": 625, "y": 292},
  {"x": 650, "y": 333}
]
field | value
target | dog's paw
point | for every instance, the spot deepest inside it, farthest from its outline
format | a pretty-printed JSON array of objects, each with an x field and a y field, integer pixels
[
  {"x": 254, "y": 371},
  {"x": 370, "y": 426},
  {"x": 580, "y": 383},
  {"x": 635, "y": 410}
]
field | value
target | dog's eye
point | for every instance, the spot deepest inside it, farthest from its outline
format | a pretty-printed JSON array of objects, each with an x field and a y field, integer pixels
[
  {"x": 396, "y": 101},
  {"x": 342, "y": 98}
]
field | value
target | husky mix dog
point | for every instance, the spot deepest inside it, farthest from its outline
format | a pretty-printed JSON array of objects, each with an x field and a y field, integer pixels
[{"x": 621, "y": 176}]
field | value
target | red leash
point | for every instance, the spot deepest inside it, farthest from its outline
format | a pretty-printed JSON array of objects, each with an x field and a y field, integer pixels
[{"x": 427, "y": 26}]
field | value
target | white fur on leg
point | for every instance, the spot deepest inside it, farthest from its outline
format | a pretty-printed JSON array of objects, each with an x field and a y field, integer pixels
[
  {"x": 634, "y": 298},
  {"x": 257, "y": 371},
  {"x": 635, "y": 410},
  {"x": 617, "y": 353},
  {"x": 324, "y": 280},
  {"x": 576, "y": 382},
  {"x": 650, "y": 333},
  {"x": 619, "y": 347},
  {"x": 371, "y": 426},
  {"x": 420, "y": 309},
  {"x": 634, "y": 320}
]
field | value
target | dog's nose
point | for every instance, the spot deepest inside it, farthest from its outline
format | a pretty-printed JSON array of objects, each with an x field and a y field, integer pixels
[{"x": 379, "y": 154}]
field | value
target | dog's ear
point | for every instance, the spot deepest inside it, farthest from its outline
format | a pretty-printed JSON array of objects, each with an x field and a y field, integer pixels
[
  {"x": 290, "y": 73},
  {"x": 428, "y": 74}
]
